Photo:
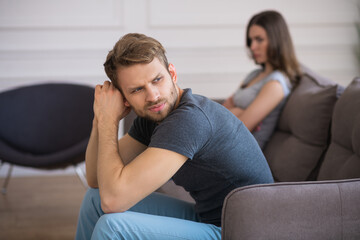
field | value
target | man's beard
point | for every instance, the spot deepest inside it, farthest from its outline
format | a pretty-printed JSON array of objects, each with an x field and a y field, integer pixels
[{"x": 161, "y": 115}]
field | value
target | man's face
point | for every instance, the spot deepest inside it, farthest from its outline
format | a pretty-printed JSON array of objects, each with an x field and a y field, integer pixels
[{"x": 149, "y": 89}]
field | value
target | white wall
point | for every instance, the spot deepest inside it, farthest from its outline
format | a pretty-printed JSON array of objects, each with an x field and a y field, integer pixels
[{"x": 50, "y": 40}]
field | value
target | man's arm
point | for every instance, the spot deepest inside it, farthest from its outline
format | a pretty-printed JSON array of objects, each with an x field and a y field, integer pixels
[
  {"x": 91, "y": 156},
  {"x": 121, "y": 186},
  {"x": 129, "y": 149}
]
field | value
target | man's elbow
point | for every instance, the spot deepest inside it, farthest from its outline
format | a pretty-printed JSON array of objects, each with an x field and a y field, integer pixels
[
  {"x": 112, "y": 204},
  {"x": 92, "y": 183}
]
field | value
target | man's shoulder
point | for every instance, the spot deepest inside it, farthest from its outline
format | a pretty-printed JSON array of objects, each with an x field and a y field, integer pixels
[
  {"x": 197, "y": 107},
  {"x": 191, "y": 98},
  {"x": 196, "y": 101}
]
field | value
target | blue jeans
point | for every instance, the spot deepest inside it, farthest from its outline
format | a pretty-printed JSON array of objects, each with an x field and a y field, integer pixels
[{"x": 155, "y": 217}]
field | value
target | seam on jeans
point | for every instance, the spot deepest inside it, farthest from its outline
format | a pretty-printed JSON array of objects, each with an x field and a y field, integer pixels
[{"x": 116, "y": 232}]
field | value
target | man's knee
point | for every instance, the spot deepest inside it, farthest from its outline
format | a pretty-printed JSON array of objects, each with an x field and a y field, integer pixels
[
  {"x": 107, "y": 227},
  {"x": 92, "y": 193},
  {"x": 91, "y": 199}
]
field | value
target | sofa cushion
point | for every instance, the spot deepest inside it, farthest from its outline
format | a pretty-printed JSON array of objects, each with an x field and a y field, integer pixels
[
  {"x": 302, "y": 134},
  {"x": 342, "y": 160}
]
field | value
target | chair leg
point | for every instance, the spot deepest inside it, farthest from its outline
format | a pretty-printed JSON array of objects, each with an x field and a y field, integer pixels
[
  {"x": 81, "y": 175},
  {"x": 7, "y": 179},
  {"x": 1, "y": 164}
]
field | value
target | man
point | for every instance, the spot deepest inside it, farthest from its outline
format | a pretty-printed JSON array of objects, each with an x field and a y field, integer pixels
[{"x": 189, "y": 138}]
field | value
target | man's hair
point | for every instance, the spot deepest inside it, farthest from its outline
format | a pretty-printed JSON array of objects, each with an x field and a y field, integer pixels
[
  {"x": 131, "y": 49},
  {"x": 280, "y": 52}
]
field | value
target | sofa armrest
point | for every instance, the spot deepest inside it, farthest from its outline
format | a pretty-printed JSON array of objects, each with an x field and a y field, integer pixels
[{"x": 303, "y": 210}]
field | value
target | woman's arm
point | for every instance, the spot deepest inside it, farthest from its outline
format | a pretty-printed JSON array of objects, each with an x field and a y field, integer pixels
[
  {"x": 229, "y": 103},
  {"x": 268, "y": 98}
]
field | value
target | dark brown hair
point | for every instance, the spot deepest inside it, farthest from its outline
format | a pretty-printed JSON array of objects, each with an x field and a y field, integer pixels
[
  {"x": 133, "y": 48},
  {"x": 280, "y": 52}
]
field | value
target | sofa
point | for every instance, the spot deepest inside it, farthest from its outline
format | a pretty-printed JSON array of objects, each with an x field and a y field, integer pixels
[{"x": 314, "y": 156}]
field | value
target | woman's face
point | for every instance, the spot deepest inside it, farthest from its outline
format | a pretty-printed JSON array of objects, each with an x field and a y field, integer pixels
[{"x": 258, "y": 43}]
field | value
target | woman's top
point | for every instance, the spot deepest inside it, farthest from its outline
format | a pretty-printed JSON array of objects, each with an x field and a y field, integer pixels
[{"x": 244, "y": 96}]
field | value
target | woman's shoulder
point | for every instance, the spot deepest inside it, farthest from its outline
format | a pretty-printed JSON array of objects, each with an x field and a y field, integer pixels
[
  {"x": 281, "y": 78},
  {"x": 277, "y": 75}
]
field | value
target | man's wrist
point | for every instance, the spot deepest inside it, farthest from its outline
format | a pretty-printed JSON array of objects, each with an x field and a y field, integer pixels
[
  {"x": 95, "y": 122},
  {"x": 104, "y": 122}
]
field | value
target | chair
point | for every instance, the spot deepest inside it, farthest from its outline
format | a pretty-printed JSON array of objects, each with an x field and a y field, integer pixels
[{"x": 45, "y": 126}]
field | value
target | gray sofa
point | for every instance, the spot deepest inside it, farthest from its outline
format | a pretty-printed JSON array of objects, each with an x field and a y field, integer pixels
[{"x": 314, "y": 156}]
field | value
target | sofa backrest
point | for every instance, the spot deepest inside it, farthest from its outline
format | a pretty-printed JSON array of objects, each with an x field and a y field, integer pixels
[
  {"x": 297, "y": 146},
  {"x": 342, "y": 159},
  {"x": 302, "y": 210}
]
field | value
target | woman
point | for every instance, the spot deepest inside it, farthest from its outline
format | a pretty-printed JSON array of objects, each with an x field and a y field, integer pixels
[{"x": 261, "y": 97}]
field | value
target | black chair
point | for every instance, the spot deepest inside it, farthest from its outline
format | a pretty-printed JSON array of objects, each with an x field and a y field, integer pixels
[{"x": 45, "y": 126}]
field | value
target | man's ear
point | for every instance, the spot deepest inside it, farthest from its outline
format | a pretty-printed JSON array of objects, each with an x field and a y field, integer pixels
[
  {"x": 172, "y": 72},
  {"x": 126, "y": 103}
]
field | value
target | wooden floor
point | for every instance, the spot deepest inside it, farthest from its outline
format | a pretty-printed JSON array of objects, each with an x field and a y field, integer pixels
[{"x": 40, "y": 208}]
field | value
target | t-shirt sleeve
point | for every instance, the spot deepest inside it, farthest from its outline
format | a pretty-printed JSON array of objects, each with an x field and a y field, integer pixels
[
  {"x": 283, "y": 80},
  {"x": 141, "y": 130},
  {"x": 184, "y": 131}
]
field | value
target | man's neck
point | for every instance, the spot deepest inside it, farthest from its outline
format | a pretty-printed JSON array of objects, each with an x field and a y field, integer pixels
[{"x": 180, "y": 94}]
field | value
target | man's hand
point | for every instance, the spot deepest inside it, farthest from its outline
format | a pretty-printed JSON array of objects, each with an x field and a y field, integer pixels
[{"x": 109, "y": 104}]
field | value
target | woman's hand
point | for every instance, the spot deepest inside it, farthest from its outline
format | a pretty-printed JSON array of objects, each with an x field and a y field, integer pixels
[
  {"x": 237, "y": 111},
  {"x": 229, "y": 103}
]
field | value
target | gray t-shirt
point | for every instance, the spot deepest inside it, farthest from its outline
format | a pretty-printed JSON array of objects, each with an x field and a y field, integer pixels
[
  {"x": 222, "y": 153},
  {"x": 244, "y": 96}
]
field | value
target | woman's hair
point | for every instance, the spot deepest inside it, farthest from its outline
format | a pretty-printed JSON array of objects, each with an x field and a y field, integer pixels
[
  {"x": 133, "y": 48},
  {"x": 280, "y": 51}
]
